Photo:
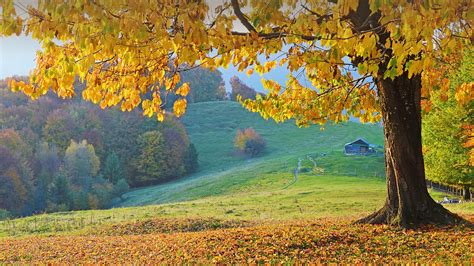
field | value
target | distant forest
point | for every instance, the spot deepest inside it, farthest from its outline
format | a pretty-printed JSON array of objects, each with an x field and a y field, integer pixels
[{"x": 59, "y": 155}]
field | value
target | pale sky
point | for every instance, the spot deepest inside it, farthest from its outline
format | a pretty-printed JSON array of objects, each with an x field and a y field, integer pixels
[{"x": 17, "y": 57}]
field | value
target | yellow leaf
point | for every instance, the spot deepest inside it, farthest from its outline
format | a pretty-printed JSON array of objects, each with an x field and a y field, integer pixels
[
  {"x": 183, "y": 90},
  {"x": 179, "y": 107}
]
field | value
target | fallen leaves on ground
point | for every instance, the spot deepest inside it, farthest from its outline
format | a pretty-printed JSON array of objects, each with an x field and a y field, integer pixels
[
  {"x": 296, "y": 241},
  {"x": 167, "y": 225}
]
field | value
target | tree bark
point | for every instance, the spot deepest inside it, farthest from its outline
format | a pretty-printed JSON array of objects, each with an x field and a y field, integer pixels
[
  {"x": 408, "y": 203},
  {"x": 466, "y": 193}
]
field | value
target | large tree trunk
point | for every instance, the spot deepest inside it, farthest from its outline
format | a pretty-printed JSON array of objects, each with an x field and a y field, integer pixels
[{"x": 408, "y": 203}]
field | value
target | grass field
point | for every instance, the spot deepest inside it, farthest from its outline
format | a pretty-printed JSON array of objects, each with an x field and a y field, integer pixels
[
  {"x": 212, "y": 127},
  {"x": 280, "y": 219},
  {"x": 233, "y": 187}
]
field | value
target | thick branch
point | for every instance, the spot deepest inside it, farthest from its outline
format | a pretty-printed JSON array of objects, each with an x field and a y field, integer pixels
[{"x": 241, "y": 16}]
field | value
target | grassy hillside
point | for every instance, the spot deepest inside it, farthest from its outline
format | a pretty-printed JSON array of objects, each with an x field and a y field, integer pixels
[
  {"x": 212, "y": 127},
  {"x": 259, "y": 201},
  {"x": 233, "y": 188}
]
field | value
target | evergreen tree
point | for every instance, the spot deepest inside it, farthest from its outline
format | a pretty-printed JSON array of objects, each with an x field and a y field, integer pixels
[
  {"x": 113, "y": 170},
  {"x": 59, "y": 194},
  {"x": 47, "y": 166}
]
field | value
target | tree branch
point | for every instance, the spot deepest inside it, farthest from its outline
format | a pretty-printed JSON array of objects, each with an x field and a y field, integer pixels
[{"x": 241, "y": 16}]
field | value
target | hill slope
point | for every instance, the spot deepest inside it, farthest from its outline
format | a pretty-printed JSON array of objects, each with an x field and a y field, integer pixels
[
  {"x": 236, "y": 189},
  {"x": 212, "y": 127}
]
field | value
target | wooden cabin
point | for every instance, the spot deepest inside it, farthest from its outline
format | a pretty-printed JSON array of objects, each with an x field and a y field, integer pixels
[{"x": 359, "y": 147}]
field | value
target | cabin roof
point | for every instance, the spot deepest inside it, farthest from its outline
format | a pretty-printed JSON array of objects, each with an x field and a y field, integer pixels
[{"x": 358, "y": 141}]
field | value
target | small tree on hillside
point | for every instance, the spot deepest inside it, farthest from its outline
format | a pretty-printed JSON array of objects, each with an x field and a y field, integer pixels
[
  {"x": 249, "y": 142},
  {"x": 205, "y": 83},
  {"x": 120, "y": 188}
]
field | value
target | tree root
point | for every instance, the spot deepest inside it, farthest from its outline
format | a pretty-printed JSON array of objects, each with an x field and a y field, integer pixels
[{"x": 435, "y": 215}]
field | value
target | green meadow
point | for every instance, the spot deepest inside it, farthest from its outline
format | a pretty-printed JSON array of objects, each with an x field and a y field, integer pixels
[{"x": 230, "y": 186}]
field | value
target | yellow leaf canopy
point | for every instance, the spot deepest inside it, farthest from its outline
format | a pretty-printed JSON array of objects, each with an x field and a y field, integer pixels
[{"x": 132, "y": 52}]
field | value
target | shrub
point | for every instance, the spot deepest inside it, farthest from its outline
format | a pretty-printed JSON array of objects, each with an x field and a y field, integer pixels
[
  {"x": 120, "y": 188},
  {"x": 249, "y": 142},
  {"x": 4, "y": 214},
  {"x": 254, "y": 147}
]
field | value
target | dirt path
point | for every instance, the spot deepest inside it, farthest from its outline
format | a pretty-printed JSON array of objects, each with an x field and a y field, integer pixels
[
  {"x": 312, "y": 160},
  {"x": 295, "y": 174}
]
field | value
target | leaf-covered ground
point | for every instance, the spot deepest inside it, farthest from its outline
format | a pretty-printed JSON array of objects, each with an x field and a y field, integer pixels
[
  {"x": 170, "y": 225},
  {"x": 296, "y": 241}
]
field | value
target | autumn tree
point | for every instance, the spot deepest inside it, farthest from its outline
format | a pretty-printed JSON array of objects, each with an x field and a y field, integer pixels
[
  {"x": 16, "y": 171},
  {"x": 369, "y": 59},
  {"x": 148, "y": 164},
  {"x": 239, "y": 89},
  {"x": 206, "y": 85},
  {"x": 123, "y": 140},
  {"x": 60, "y": 129},
  {"x": 15, "y": 180},
  {"x": 179, "y": 158},
  {"x": 191, "y": 163},
  {"x": 447, "y": 156},
  {"x": 12, "y": 140},
  {"x": 175, "y": 147},
  {"x": 9, "y": 99},
  {"x": 249, "y": 142},
  {"x": 81, "y": 162}
]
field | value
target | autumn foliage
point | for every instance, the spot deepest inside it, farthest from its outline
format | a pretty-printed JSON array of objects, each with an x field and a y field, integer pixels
[
  {"x": 241, "y": 91},
  {"x": 59, "y": 156},
  {"x": 249, "y": 142},
  {"x": 175, "y": 38},
  {"x": 207, "y": 241},
  {"x": 448, "y": 129},
  {"x": 368, "y": 59}
]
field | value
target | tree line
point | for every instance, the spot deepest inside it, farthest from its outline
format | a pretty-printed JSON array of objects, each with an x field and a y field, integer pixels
[{"x": 60, "y": 155}]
